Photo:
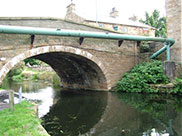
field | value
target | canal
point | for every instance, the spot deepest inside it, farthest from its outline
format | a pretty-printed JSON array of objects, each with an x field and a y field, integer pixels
[{"x": 89, "y": 113}]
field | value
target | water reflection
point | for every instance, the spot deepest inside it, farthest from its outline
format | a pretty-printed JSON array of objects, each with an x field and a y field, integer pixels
[
  {"x": 158, "y": 114},
  {"x": 45, "y": 97},
  {"x": 27, "y": 86},
  {"x": 86, "y": 113},
  {"x": 113, "y": 114},
  {"x": 75, "y": 112}
]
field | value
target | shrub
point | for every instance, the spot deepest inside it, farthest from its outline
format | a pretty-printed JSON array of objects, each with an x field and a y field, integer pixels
[
  {"x": 32, "y": 61},
  {"x": 144, "y": 47},
  {"x": 35, "y": 77},
  {"x": 141, "y": 76},
  {"x": 19, "y": 77},
  {"x": 56, "y": 80},
  {"x": 17, "y": 70},
  {"x": 16, "y": 73},
  {"x": 177, "y": 86}
]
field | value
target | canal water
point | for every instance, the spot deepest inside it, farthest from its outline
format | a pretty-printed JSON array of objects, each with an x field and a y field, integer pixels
[{"x": 88, "y": 113}]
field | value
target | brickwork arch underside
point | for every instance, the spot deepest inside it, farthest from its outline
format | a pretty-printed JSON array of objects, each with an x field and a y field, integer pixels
[{"x": 76, "y": 68}]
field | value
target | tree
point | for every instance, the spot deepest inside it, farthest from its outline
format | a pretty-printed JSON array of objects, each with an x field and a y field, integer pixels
[{"x": 157, "y": 22}]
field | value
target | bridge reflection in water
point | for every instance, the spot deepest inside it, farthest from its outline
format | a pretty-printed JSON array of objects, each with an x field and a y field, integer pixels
[{"x": 89, "y": 113}]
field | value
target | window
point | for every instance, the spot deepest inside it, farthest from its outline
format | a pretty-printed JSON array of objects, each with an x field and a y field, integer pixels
[
  {"x": 101, "y": 25},
  {"x": 115, "y": 28},
  {"x": 124, "y": 29}
]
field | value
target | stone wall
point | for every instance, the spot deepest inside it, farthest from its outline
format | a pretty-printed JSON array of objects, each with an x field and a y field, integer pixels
[
  {"x": 153, "y": 47},
  {"x": 174, "y": 25}
]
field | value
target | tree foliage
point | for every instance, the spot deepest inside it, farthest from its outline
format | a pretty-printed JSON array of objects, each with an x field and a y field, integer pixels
[{"x": 157, "y": 22}]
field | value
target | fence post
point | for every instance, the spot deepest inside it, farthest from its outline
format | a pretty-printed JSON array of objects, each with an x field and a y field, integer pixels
[{"x": 11, "y": 100}]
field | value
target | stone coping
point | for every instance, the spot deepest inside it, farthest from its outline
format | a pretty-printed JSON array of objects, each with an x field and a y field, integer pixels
[
  {"x": 31, "y": 18},
  {"x": 55, "y": 18}
]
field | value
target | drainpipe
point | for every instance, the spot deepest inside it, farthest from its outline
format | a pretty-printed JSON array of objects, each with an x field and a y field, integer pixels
[
  {"x": 167, "y": 48},
  {"x": 168, "y": 52},
  {"x": 85, "y": 34}
]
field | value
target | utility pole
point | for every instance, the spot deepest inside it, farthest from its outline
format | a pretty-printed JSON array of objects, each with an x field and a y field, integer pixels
[{"x": 96, "y": 12}]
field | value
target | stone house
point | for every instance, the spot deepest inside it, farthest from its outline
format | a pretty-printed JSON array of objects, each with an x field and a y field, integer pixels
[{"x": 112, "y": 22}]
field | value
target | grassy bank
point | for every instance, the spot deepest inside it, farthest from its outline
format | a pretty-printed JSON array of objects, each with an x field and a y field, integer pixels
[
  {"x": 21, "y": 122},
  {"x": 142, "y": 75}
]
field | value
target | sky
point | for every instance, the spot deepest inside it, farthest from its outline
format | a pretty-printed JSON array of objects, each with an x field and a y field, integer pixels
[{"x": 57, "y": 8}]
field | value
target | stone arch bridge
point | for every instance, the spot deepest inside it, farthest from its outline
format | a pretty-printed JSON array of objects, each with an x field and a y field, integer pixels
[{"x": 81, "y": 63}]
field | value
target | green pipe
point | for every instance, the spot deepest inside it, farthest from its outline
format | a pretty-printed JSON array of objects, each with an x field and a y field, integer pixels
[
  {"x": 158, "y": 52},
  {"x": 167, "y": 48},
  {"x": 73, "y": 33},
  {"x": 168, "y": 52}
]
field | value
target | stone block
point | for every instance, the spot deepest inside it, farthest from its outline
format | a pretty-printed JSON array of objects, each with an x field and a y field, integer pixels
[{"x": 169, "y": 69}]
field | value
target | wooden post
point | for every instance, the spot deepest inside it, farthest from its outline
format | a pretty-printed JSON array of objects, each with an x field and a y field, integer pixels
[{"x": 11, "y": 100}]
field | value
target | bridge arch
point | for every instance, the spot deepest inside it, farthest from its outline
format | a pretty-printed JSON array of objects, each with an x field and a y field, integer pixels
[{"x": 76, "y": 68}]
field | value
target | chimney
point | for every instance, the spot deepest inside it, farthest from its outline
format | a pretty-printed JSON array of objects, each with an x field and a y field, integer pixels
[
  {"x": 72, "y": 15},
  {"x": 114, "y": 13},
  {"x": 71, "y": 8},
  {"x": 133, "y": 18}
]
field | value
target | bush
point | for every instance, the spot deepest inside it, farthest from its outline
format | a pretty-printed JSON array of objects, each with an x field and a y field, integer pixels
[
  {"x": 19, "y": 77},
  {"x": 144, "y": 48},
  {"x": 56, "y": 80},
  {"x": 32, "y": 61},
  {"x": 16, "y": 73},
  {"x": 34, "y": 77},
  {"x": 177, "y": 86},
  {"x": 17, "y": 70},
  {"x": 141, "y": 76}
]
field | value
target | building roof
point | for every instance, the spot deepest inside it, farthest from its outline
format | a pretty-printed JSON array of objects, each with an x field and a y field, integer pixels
[
  {"x": 120, "y": 21},
  {"x": 111, "y": 20},
  {"x": 115, "y": 19}
]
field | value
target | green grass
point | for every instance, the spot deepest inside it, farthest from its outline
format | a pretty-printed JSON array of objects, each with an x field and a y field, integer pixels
[{"x": 21, "y": 122}]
